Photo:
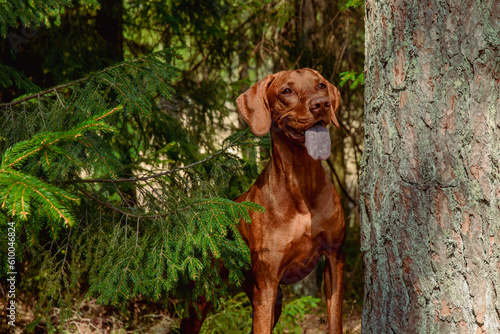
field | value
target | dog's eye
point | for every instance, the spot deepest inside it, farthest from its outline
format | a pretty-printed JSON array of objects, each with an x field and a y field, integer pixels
[
  {"x": 322, "y": 86},
  {"x": 286, "y": 91}
]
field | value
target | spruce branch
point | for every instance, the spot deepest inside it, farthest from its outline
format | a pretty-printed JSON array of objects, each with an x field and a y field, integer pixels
[
  {"x": 9, "y": 77},
  {"x": 22, "y": 188},
  {"x": 100, "y": 74},
  {"x": 200, "y": 202},
  {"x": 236, "y": 140},
  {"x": 179, "y": 248},
  {"x": 19, "y": 189},
  {"x": 21, "y": 151}
]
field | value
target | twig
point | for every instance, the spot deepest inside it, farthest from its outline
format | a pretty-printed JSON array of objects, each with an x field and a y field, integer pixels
[
  {"x": 67, "y": 246},
  {"x": 137, "y": 233},
  {"x": 158, "y": 195},
  {"x": 344, "y": 191},
  {"x": 126, "y": 214},
  {"x": 153, "y": 176},
  {"x": 55, "y": 91},
  {"x": 71, "y": 83},
  {"x": 129, "y": 214},
  {"x": 29, "y": 97}
]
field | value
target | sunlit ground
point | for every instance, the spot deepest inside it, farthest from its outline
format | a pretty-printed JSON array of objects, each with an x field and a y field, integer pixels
[{"x": 299, "y": 316}]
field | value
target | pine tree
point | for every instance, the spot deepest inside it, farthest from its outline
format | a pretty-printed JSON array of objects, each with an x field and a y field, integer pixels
[{"x": 430, "y": 178}]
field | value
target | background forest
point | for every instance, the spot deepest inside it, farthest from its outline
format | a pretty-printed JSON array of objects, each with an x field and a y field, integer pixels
[{"x": 121, "y": 149}]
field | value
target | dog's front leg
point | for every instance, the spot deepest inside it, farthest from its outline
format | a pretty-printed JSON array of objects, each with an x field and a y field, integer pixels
[
  {"x": 264, "y": 300},
  {"x": 334, "y": 289}
]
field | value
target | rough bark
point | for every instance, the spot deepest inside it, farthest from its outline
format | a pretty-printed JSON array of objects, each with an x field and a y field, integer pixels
[{"x": 430, "y": 186}]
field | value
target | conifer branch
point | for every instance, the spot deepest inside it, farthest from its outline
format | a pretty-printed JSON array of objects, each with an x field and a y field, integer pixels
[
  {"x": 44, "y": 140},
  {"x": 130, "y": 214},
  {"x": 152, "y": 176},
  {"x": 47, "y": 193},
  {"x": 162, "y": 214},
  {"x": 75, "y": 82},
  {"x": 47, "y": 91},
  {"x": 167, "y": 172}
]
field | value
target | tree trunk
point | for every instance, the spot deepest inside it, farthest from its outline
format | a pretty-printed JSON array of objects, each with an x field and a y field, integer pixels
[{"x": 430, "y": 185}]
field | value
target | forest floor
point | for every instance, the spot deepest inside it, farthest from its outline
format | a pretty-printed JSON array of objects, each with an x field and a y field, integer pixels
[
  {"x": 142, "y": 317},
  {"x": 315, "y": 324}
]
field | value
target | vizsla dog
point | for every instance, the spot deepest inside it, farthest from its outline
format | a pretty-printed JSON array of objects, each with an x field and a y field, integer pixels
[{"x": 303, "y": 218}]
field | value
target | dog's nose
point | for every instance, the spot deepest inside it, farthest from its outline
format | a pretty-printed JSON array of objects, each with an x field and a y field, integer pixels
[{"x": 319, "y": 104}]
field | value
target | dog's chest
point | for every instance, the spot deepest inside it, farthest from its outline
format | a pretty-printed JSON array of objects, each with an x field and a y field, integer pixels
[
  {"x": 302, "y": 231},
  {"x": 301, "y": 226},
  {"x": 300, "y": 248}
]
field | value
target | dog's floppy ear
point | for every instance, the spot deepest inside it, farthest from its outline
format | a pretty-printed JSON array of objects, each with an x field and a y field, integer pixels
[
  {"x": 254, "y": 108},
  {"x": 334, "y": 95}
]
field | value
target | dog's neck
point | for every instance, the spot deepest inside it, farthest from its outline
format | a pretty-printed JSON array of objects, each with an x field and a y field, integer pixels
[{"x": 302, "y": 175}]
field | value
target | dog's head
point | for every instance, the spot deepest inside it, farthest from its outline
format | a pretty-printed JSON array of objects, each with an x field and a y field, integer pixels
[{"x": 299, "y": 102}]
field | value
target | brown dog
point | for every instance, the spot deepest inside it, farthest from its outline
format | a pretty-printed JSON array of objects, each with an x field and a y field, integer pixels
[{"x": 303, "y": 218}]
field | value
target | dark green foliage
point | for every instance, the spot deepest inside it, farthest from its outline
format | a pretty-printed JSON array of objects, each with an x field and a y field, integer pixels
[
  {"x": 9, "y": 77},
  {"x": 356, "y": 78},
  {"x": 178, "y": 256},
  {"x": 29, "y": 13},
  {"x": 354, "y": 3},
  {"x": 34, "y": 14},
  {"x": 133, "y": 84},
  {"x": 20, "y": 191}
]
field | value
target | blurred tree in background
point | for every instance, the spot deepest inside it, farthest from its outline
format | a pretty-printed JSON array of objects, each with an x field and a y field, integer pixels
[{"x": 115, "y": 114}]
